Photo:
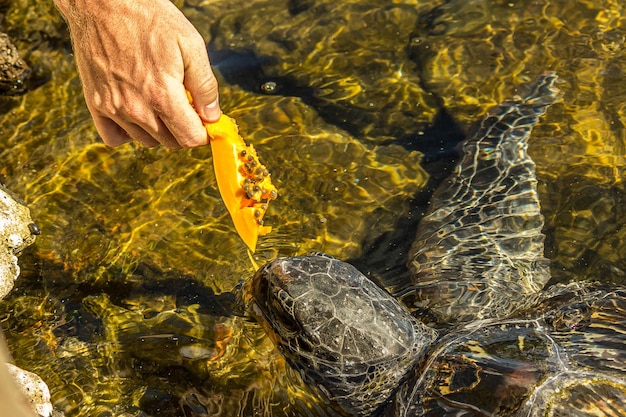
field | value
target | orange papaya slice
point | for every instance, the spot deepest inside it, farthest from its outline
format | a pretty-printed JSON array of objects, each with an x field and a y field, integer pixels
[{"x": 244, "y": 183}]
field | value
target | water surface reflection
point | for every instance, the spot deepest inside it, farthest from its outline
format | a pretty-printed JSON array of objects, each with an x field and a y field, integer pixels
[{"x": 125, "y": 305}]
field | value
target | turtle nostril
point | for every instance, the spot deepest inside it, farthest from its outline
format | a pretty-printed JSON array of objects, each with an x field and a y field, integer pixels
[{"x": 34, "y": 229}]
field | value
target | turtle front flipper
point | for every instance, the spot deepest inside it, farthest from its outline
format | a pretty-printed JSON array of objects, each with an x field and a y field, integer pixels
[{"x": 480, "y": 248}]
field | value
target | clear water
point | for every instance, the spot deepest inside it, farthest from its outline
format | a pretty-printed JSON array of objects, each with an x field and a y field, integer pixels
[{"x": 125, "y": 304}]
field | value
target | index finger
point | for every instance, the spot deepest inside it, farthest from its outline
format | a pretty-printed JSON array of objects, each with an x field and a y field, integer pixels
[{"x": 182, "y": 120}]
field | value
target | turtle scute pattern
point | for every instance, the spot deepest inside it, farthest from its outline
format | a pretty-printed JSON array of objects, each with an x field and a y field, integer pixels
[
  {"x": 513, "y": 348},
  {"x": 343, "y": 333},
  {"x": 562, "y": 357}
]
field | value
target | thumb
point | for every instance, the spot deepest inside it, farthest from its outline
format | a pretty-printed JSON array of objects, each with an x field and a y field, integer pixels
[{"x": 202, "y": 85}]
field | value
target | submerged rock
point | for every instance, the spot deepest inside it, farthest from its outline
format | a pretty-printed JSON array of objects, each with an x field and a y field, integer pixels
[
  {"x": 17, "y": 231},
  {"x": 13, "y": 70},
  {"x": 33, "y": 388}
]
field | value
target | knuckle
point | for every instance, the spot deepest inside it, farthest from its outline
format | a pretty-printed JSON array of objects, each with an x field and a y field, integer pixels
[
  {"x": 135, "y": 112},
  {"x": 159, "y": 97},
  {"x": 188, "y": 142},
  {"x": 160, "y": 100},
  {"x": 191, "y": 140},
  {"x": 208, "y": 85},
  {"x": 195, "y": 40},
  {"x": 104, "y": 105},
  {"x": 96, "y": 99}
]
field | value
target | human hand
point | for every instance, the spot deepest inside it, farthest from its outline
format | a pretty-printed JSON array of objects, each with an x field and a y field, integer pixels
[{"x": 136, "y": 59}]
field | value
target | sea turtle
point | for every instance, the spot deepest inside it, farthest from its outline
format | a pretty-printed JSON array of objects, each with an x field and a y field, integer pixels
[{"x": 503, "y": 344}]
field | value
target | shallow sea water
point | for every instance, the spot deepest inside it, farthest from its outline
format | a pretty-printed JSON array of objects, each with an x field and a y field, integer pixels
[{"x": 126, "y": 302}]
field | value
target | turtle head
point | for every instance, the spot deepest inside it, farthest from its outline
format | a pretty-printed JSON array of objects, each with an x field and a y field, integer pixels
[{"x": 344, "y": 334}]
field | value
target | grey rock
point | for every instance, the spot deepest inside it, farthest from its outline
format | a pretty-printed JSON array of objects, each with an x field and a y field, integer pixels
[
  {"x": 17, "y": 231},
  {"x": 13, "y": 70}
]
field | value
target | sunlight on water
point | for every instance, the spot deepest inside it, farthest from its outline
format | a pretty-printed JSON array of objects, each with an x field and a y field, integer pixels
[{"x": 126, "y": 302}]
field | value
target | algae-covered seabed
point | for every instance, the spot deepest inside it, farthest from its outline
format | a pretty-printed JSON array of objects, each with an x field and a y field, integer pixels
[{"x": 125, "y": 305}]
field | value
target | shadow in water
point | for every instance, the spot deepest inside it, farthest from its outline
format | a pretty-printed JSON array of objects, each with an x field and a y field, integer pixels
[
  {"x": 385, "y": 259},
  {"x": 255, "y": 74}
]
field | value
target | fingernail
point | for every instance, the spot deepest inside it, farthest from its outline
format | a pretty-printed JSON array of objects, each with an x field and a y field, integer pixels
[{"x": 212, "y": 111}]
